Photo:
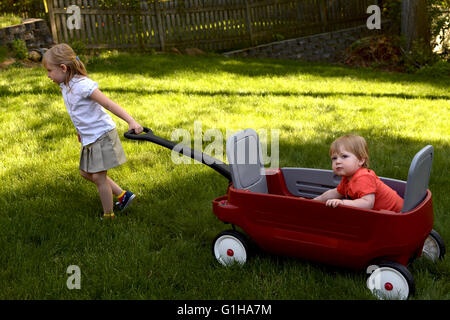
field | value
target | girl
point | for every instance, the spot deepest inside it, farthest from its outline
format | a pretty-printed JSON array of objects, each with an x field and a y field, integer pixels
[
  {"x": 101, "y": 148},
  {"x": 359, "y": 186}
]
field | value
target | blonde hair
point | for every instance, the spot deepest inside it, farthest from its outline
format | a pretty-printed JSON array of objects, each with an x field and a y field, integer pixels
[
  {"x": 64, "y": 54},
  {"x": 354, "y": 144}
]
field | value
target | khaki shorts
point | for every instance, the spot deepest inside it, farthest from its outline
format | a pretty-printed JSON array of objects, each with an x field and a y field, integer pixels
[{"x": 103, "y": 154}]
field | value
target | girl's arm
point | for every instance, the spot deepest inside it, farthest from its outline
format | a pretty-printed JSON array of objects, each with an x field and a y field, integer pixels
[
  {"x": 365, "y": 202},
  {"x": 330, "y": 194},
  {"x": 110, "y": 105}
]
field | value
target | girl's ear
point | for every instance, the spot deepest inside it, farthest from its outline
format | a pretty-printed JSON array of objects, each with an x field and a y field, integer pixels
[
  {"x": 362, "y": 162},
  {"x": 63, "y": 67}
]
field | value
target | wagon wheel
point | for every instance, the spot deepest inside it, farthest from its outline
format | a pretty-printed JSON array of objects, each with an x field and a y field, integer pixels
[
  {"x": 230, "y": 247},
  {"x": 434, "y": 247},
  {"x": 390, "y": 280}
]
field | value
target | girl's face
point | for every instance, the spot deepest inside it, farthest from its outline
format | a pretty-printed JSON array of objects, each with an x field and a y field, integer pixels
[
  {"x": 56, "y": 73},
  {"x": 345, "y": 163}
]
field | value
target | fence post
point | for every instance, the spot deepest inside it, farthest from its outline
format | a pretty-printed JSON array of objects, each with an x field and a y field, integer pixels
[
  {"x": 323, "y": 15},
  {"x": 51, "y": 14},
  {"x": 161, "y": 30},
  {"x": 249, "y": 23}
]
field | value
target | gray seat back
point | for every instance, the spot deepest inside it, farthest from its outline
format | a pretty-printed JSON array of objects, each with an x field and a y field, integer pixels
[
  {"x": 418, "y": 178},
  {"x": 245, "y": 159}
]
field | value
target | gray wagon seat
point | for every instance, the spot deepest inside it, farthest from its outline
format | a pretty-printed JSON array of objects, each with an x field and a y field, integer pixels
[
  {"x": 245, "y": 159},
  {"x": 309, "y": 183}
]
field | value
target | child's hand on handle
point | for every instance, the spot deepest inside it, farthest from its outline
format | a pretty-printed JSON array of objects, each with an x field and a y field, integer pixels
[{"x": 133, "y": 125}]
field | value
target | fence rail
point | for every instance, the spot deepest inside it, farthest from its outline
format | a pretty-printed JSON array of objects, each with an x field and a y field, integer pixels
[{"x": 212, "y": 25}]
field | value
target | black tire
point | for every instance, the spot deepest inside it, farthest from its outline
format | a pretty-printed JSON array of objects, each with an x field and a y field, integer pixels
[
  {"x": 437, "y": 243},
  {"x": 381, "y": 288},
  {"x": 240, "y": 245}
]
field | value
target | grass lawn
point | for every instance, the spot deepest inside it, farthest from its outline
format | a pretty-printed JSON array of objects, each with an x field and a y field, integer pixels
[
  {"x": 8, "y": 19},
  {"x": 161, "y": 249}
]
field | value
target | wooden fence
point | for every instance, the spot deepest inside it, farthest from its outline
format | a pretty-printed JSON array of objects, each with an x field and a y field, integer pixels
[{"x": 213, "y": 25}]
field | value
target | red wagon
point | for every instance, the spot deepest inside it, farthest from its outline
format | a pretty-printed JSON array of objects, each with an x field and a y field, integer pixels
[{"x": 274, "y": 208}]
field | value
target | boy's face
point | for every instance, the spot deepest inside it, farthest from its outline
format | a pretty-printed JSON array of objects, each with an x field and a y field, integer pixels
[
  {"x": 56, "y": 73},
  {"x": 345, "y": 163}
]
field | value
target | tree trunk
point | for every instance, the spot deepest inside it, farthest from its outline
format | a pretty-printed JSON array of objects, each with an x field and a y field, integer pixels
[{"x": 415, "y": 22}]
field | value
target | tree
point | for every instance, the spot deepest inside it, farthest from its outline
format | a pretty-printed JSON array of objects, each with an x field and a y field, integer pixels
[{"x": 415, "y": 22}]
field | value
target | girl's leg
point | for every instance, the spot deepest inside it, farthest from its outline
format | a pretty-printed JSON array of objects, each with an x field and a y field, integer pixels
[
  {"x": 104, "y": 190},
  {"x": 116, "y": 190}
]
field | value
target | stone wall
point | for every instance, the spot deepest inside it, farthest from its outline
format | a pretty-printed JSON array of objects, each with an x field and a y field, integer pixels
[
  {"x": 34, "y": 32},
  {"x": 324, "y": 47}
]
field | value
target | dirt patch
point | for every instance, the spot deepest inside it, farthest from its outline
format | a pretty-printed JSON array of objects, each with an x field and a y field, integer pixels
[{"x": 24, "y": 63}]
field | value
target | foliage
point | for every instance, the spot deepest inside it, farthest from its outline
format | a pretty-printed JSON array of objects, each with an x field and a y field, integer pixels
[
  {"x": 7, "y": 19},
  {"x": 419, "y": 56},
  {"x": 392, "y": 10},
  {"x": 438, "y": 15},
  {"x": 278, "y": 37},
  {"x": 386, "y": 52},
  {"x": 130, "y": 4},
  {"x": 377, "y": 51},
  {"x": 79, "y": 47},
  {"x": 439, "y": 70},
  {"x": 3, "y": 53},
  {"x": 20, "y": 49},
  {"x": 440, "y": 26},
  {"x": 17, "y": 6}
]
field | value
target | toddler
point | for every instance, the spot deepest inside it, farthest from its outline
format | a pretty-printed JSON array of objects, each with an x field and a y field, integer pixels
[
  {"x": 101, "y": 149},
  {"x": 359, "y": 186}
]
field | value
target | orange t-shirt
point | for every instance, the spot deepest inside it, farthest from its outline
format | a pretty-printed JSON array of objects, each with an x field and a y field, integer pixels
[{"x": 364, "y": 182}]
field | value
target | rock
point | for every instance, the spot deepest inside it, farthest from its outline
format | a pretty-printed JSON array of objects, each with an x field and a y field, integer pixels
[
  {"x": 35, "y": 56},
  {"x": 194, "y": 52},
  {"x": 175, "y": 51}
]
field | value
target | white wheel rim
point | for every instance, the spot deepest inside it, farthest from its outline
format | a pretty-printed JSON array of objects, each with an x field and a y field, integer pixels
[
  {"x": 388, "y": 283},
  {"x": 229, "y": 250},
  {"x": 431, "y": 249}
]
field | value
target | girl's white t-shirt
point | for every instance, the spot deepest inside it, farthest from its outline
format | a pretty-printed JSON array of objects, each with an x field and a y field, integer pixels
[{"x": 88, "y": 117}]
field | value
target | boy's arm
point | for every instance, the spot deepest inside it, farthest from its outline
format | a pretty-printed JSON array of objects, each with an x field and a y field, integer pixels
[
  {"x": 110, "y": 105},
  {"x": 330, "y": 194}
]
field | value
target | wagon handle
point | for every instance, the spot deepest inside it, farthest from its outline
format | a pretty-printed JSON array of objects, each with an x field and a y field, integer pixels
[{"x": 211, "y": 162}]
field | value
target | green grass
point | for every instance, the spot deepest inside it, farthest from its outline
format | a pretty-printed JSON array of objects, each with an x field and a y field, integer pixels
[
  {"x": 7, "y": 19},
  {"x": 161, "y": 249}
]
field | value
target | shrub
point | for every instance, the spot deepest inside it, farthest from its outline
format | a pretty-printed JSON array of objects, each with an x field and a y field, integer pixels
[
  {"x": 438, "y": 70},
  {"x": 379, "y": 51},
  {"x": 78, "y": 47},
  {"x": 20, "y": 49},
  {"x": 3, "y": 53},
  {"x": 419, "y": 56}
]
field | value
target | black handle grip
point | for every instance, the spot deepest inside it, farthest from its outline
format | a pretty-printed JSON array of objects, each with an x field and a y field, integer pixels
[{"x": 132, "y": 135}]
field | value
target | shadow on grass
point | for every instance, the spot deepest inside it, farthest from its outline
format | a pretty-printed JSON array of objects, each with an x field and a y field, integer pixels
[
  {"x": 6, "y": 92},
  {"x": 158, "y": 66},
  {"x": 277, "y": 93}
]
